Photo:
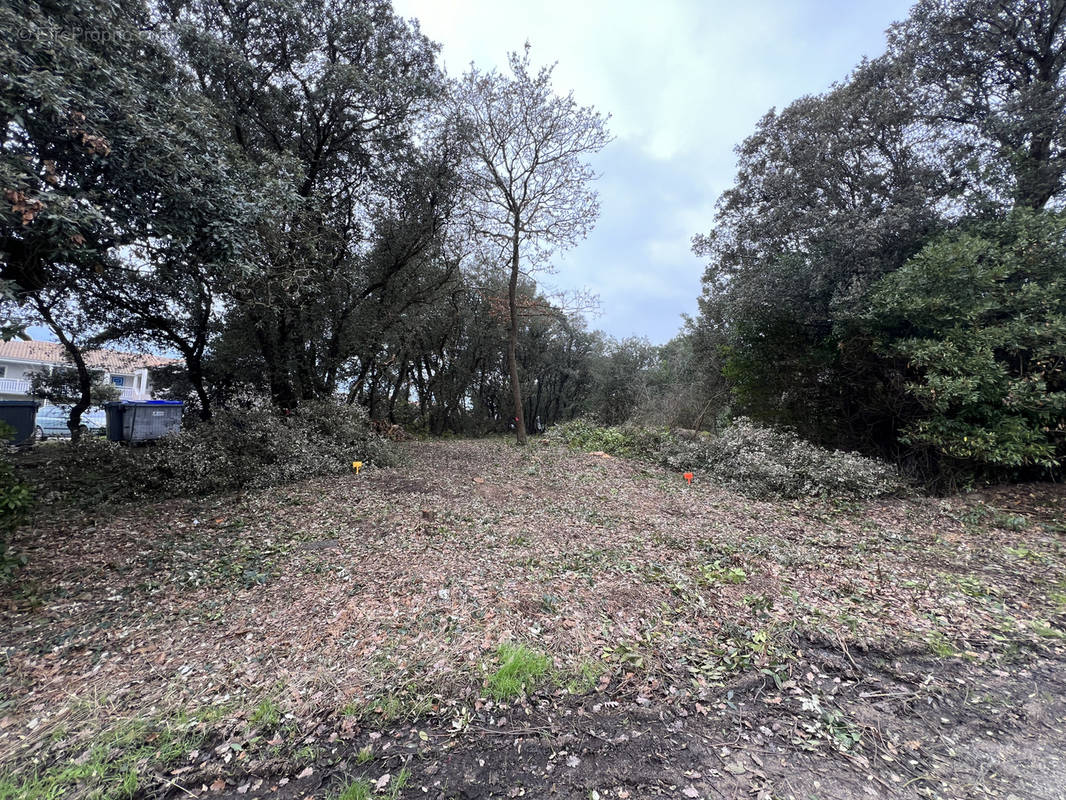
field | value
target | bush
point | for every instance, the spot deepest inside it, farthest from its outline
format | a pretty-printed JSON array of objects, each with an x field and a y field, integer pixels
[
  {"x": 757, "y": 461},
  {"x": 16, "y": 499},
  {"x": 979, "y": 319},
  {"x": 253, "y": 448},
  {"x": 628, "y": 441}
]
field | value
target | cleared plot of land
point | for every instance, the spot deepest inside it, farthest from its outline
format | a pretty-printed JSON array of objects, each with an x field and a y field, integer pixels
[{"x": 343, "y": 637}]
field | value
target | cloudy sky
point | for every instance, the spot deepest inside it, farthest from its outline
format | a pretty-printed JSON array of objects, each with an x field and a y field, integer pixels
[{"x": 684, "y": 82}]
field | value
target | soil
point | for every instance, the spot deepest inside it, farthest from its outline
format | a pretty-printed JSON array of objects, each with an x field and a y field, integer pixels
[{"x": 930, "y": 728}]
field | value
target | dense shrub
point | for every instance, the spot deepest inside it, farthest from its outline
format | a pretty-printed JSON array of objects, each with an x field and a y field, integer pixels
[
  {"x": 16, "y": 500},
  {"x": 978, "y": 318},
  {"x": 757, "y": 461},
  {"x": 630, "y": 441},
  {"x": 254, "y": 447}
]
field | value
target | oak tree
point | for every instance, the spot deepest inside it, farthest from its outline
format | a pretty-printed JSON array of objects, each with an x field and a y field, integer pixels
[{"x": 529, "y": 181}]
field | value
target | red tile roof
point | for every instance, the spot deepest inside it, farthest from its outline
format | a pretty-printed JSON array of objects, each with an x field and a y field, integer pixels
[{"x": 55, "y": 353}]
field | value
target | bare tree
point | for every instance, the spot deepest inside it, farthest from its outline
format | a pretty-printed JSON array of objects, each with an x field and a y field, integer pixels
[{"x": 529, "y": 179}]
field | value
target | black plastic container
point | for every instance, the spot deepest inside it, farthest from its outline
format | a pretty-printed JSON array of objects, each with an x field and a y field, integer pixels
[{"x": 20, "y": 415}]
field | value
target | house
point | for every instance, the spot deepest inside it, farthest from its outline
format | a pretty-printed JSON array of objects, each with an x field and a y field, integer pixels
[{"x": 127, "y": 371}]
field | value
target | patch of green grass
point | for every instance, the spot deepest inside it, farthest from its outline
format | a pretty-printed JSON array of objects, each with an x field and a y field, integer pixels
[
  {"x": 365, "y": 755},
  {"x": 940, "y": 645},
  {"x": 584, "y": 679},
  {"x": 267, "y": 714},
  {"x": 359, "y": 789},
  {"x": 520, "y": 669},
  {"x": 111, "y": 767}
]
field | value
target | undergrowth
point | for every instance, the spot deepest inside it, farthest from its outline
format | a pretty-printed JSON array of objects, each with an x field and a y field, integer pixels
[
  {"x": 758, "y": 461},
  {"x": 253, "y": 447}
]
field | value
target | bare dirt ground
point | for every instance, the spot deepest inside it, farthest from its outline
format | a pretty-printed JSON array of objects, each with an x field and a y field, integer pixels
[{"x": 339, "y": 639}]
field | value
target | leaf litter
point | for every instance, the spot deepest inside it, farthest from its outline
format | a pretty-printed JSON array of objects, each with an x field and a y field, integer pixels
[{"x": 700, "y": 642}]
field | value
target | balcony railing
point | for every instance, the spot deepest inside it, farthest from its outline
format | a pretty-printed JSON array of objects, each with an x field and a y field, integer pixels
[
  {"x": 18, "y": 386},
  {"x": 14, "y": 386}
]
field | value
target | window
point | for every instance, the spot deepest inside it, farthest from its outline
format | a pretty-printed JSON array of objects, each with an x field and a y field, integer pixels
[
  {"x": 118, "y": 380},
  {"x": 3, "y": 371}
]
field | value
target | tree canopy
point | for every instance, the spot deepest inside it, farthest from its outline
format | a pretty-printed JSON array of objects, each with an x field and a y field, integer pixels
[
  {"x": 849, "y": 206},
  {"x": 529, "y": 178}
]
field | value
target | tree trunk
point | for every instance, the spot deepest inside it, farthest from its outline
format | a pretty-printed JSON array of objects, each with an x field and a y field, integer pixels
[
  {"x": 512, "y": 341},
  {"x": 400, "y": 375},
  {"x": 194, "y": 368},
  {"x": 85, "y": 378}
]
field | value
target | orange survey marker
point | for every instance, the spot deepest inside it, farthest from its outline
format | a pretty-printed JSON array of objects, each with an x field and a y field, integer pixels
[{"x": 688, "y": 477}]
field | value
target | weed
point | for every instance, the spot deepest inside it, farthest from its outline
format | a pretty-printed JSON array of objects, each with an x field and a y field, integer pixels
[
  {"x": 396, "y": 784},
  {"x": 940, "y": 645},
  {"x": 1010, "y": 522},
  {"x": 742, "y": 650},
  {"x": 550, "y": 603},
  {"x": 365, "y": 755},
  {"x": 520, "y": 669},
  {"x": 584, "y": 678},
  {"x": 761, "y": 604},
  {"x": 1021, "y": 551},
  {"x": 267, "y": 714},
  {"x": 626, "y": 655},
  {"x": 1043, "y": 628},
  {"x": 830, "y": 724},
  {"x": 718, "y": 573},
  {"x": 399, "y": 705},
  {"x": 359, "y": 789},
  {"x": 971, "y": 586}
]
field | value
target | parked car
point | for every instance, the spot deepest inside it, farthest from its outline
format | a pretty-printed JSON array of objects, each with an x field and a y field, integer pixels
[{"x": 52, "y": 422}]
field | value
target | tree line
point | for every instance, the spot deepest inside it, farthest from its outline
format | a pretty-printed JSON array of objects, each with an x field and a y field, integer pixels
[
  {"x": 295, "y": 199},
  {"x": 887, "y": 271}
]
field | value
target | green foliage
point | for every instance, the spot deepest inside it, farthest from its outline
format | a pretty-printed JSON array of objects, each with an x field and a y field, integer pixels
[
  {"x": 759, "y": 461},
  {"x": 359, "y": 789},
  {"x": 110, "y": 768},
  {"x": 62, "y": 386},
  {"x": 16, "y": 500},
  {"x": 628, "y": 441},
  {"x": 979, "y": 315},
  {"x": 260, "y": 446},
  {"x": 719, "y": 573},
  {"x": 266, "y": 714},
  {"x": 832, "y": 194},
  {"x": 108, "y": 154},
  {"x": 520, "y": 669}
]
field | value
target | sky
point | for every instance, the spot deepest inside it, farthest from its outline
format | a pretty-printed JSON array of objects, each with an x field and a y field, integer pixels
[{"x": 684, "y": 81}]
